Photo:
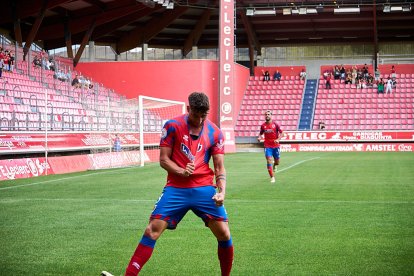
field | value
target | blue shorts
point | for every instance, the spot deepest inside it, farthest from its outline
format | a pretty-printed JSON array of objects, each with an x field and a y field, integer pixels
[
  {"x": 272, "y": 152},
  {"x": 174, "y": 203}
]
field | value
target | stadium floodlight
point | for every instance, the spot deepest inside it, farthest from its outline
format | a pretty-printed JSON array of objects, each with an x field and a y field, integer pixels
[
  {"x": 396, "y": 8},
  {"x": 166, "y": 2},
  {"x": 311, "y": 11},
  {"x": 249, "y": 12},
  {"x": 264, "y": 12},
  {"x": 302, "y": 10},
  {"x": 387, "y": 8},
  {"x": 347, "y": 10},
  {"x": 287, "y": 11},
  {"x": 295, "y": 11},
  {"x": 406, "y": 8},
  {"x": 170, "y": 6}
]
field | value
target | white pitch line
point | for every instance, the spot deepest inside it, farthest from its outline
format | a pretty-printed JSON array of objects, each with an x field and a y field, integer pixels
[
  {"x": 284, "y": 169},
  {"x": 64, "y": 178}
]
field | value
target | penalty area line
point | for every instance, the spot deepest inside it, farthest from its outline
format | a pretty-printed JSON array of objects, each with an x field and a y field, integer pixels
[{"x": 297, "y": 163}]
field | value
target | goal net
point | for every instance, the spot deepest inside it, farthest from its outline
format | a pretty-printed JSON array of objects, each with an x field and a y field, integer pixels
[
  {"x": 152, "y": 117},
  {"x": 133, "y": 131}
]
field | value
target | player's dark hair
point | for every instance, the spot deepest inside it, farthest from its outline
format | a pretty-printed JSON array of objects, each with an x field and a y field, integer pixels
[{"x": 199, "y": 102}]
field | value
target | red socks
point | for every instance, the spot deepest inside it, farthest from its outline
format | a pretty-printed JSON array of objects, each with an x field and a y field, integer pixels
[
  {"x": 270, "y": 169},
  {"x": 141, "y": 256},
  {"x": 225, "y": 255}
]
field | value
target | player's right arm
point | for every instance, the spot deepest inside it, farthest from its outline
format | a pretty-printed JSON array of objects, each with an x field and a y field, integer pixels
[
  {"x": 260, "y": 138},
  {"x": 170, "y": 166}
]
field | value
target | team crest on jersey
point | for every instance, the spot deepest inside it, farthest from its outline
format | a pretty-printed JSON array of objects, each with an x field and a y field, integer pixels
[
  {"x": 163, "y": 133},
  {"x": 185, "y": 137},
  {"x": 187, "y": 152}
]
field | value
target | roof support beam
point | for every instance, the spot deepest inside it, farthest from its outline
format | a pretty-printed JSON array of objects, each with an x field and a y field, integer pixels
[
  {"x": 251, "y": 35},
  {"x": 84, "y": 41},
  {"x": 16, "y": 24},
  {"x": 144, "y": 34},
  {"x": 68, "y": 38},
  {"x": 375, "y": 30},
  {"x": 34, "y": 29},
  {"x": 80, "y": 25},
  {"x": 195, "y": 34}
]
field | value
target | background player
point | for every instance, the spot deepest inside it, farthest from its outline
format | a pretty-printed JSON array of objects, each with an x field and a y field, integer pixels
[
  {"x": 187, "y": 144},
  {"x": 272, "y": 133}
]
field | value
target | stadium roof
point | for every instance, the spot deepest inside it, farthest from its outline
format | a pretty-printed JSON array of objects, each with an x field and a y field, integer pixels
[{"x": 127, "y": 24}]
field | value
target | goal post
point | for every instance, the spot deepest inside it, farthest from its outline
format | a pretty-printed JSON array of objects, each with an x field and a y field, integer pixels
[{"x": 153, "y": 113}]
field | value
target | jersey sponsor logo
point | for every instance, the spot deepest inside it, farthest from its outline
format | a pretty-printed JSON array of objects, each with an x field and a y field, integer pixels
[{"x": 187, "y": 152}]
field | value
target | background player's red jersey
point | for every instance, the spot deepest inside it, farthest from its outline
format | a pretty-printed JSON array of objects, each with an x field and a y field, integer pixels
[
  {"x": 175, "y": 135},
  {"x": 271, "y": 132}
]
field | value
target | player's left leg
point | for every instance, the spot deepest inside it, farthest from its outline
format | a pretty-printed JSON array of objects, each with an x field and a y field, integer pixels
[
  {"x": 225, "y": 250},
  {"x": 215, "y": 217},
  {"x": 269, "y": 161},
  {"x": 276, "y": 157}
]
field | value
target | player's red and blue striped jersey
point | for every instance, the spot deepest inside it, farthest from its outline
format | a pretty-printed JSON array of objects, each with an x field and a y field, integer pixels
[
  {"x": 175, "y": 135},
  {"x": 271, "y": 133}
]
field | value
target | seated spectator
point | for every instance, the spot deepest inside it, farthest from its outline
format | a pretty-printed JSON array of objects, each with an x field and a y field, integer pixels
[
  {"x": 326, "y": 74},
  {"x": 328, "y": 82},
  {"x": 348, "y": 80},
  {"x": 336, "y": 72},
  {"x": 380, "y": 86},
  {"x": 365, "y": 71},
  {"x": 277, "y": 76},
  {"x": 36, "y": 62},
  {"x": 394, "y": 83},
  {"x": 321, "y": 125},
  {"x": 343, "y": 72},
  {"x": 266, "y": 75},
  {"x": 75, "y": 82},
  {"x": 302, "y": 74}
]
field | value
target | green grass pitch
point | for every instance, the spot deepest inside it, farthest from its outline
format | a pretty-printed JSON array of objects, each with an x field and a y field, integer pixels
[{"x": 327, "y": 214}]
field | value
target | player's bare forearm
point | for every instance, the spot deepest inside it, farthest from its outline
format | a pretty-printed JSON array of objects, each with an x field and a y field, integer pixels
[
  {"x": 220, "y": 174},
  {"x": 170, "y": 166}
]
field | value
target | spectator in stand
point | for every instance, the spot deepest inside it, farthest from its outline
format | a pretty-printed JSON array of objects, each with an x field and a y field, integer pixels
[
  {"x": 393, "y": 72},
  {"x": 380, "y": 86},
  {"x": 36, "y": 62},
  {"x": 343, "y": 72},
  {"x": 348, "y": 80},
  {"x": 354, "y": 74},
  {"x": 336, "y": 72},
  {"x": 302, "y": 74},
  {"x": 365, "y": 71},
  {"x": 117, "y": 143},
  {"x": 277, "y": 76},
  {"x": 370, "y": 80},
  {"x": 6, "y": 59},
  {"x": 388, "y": 86},
  {"x": 321, "y": 125},
  {"x": 266, "y": 75},
  {"x": 394, "y": 83},
  {"x": 75, "y": 82},
  {"x": 11, "y": 62},
  {"x": 328, "y": 82}
]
